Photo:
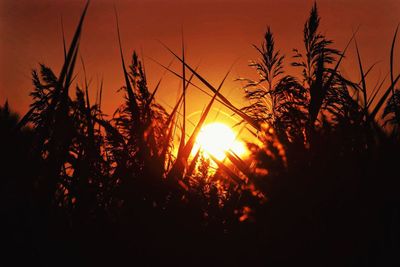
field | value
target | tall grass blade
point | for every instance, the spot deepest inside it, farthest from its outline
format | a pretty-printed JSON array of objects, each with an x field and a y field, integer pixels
[
  {"x": 74, "y": 44},
  {"x": 376, "y": 91},
  {"x": 63, "y": 39},
  {"x": 177, "y": 169},
  {"x": 224, "y": 100},
  {"x": 236, "y": 179},
  {"x": 238, "y": 162},
  {"x": 192, "y": 165},
  {"x": 383, "y": 99},
  {"x": 363, "y": 83},
  {"x": 330, "y": 80},
  {"x": 134, "y": 108},
  {"x": 183, "y": 132},
  {"x": 157, "y": 86},
  {"x": 189, "y": 146},
  {"x": 392, "y": 57}
]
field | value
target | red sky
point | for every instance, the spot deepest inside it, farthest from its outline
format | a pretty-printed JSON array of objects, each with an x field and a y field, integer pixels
[{"x": 217, "y": 33}]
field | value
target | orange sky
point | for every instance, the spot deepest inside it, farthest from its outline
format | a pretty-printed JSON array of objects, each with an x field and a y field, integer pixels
[{"x": 217, "y": 33}]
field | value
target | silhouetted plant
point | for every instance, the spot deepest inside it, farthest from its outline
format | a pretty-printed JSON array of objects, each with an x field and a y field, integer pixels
[
  {"x": 392, "y": 111},
  {"x": 317, "y": 77},
  {"x": 78, "y": 185},
  {"x": 276, "y": 98}
]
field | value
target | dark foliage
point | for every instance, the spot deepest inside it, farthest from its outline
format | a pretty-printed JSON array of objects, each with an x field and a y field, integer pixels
[{"x": 319, "y": 188}]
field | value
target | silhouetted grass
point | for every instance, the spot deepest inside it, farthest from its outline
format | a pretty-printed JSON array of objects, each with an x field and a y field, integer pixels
[{"x": 319, "y": 187}]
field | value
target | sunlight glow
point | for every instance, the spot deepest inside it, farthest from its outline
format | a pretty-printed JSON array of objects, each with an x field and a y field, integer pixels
[{"x": 217, "y": 138}]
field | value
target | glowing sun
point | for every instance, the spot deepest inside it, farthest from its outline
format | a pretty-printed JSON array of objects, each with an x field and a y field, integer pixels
[{"x": 217, "y": 138}]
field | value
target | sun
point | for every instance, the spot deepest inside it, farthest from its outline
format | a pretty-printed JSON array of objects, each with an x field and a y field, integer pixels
[{"x": 217, "y": 138}]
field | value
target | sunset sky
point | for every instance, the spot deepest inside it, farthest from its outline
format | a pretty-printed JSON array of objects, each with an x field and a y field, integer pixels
[{"x": 217, "y": 33}]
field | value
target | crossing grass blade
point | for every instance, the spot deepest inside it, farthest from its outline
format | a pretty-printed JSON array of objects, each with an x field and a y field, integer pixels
[
  {"x": 223, "y": 99},
  {"x": 383, "y": 99},
  {"x": 363, "y": 83}
]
